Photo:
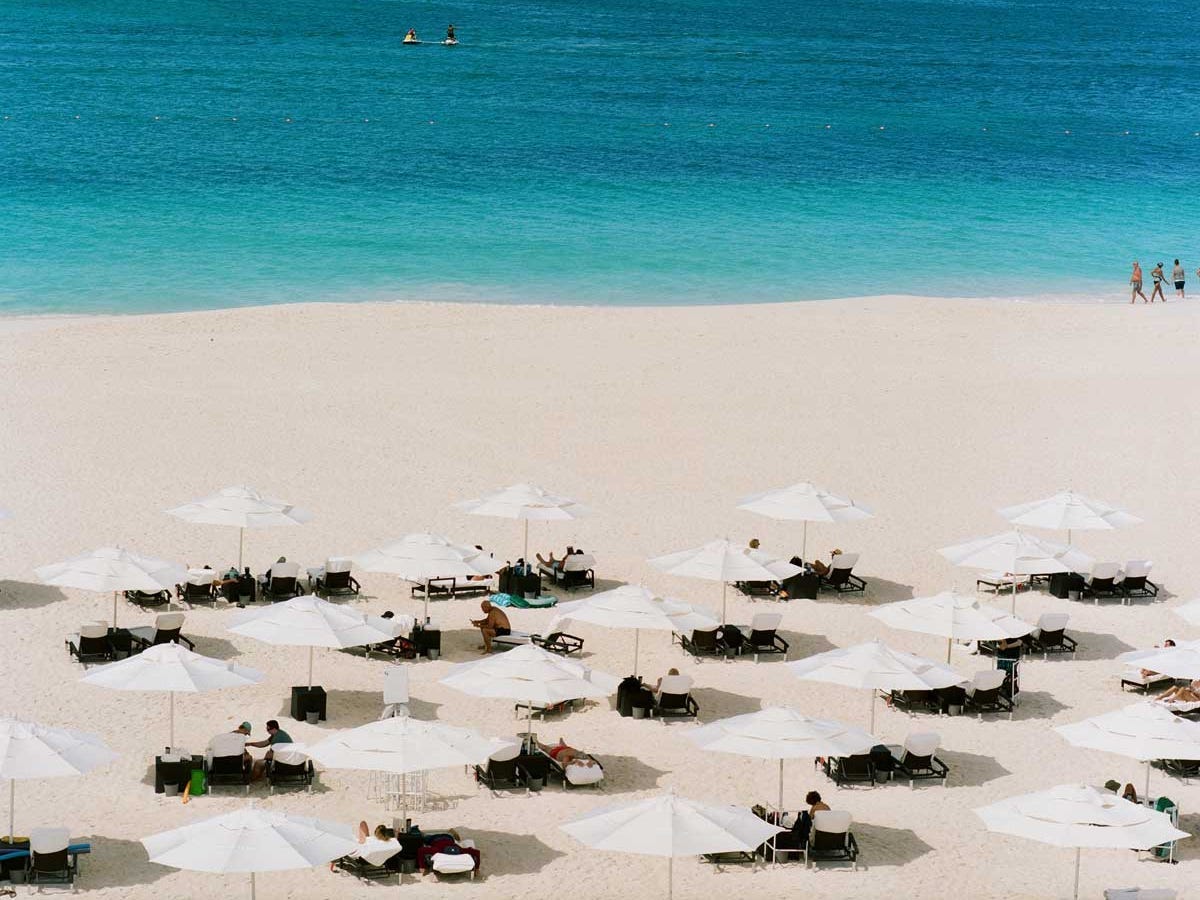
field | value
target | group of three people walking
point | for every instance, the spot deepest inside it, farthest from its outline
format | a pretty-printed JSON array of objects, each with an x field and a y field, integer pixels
[{"x": 1177, "y": 275}]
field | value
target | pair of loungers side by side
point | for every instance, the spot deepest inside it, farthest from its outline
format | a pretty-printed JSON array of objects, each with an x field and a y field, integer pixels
[
  {"x": 47, "y": 858},
  {"x": 95, "y": 642},
  {"x": 839, "y": 578},
  {"x": 916, "y": 760},
  {"x": 830, "y": 839},
  {"x": 761, "y": 637}
]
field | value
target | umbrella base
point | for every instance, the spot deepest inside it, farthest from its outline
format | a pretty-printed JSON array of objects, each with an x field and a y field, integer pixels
[{"x": 308, "y": 699}]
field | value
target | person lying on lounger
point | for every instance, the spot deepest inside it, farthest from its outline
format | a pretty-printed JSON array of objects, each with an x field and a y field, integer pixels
[
  {"x": 566, "y": 755},
  {"x": 553, "y": 563},
  {"x": 1148, "y": 673},
  {"x": 821, "y": 568},
  {"x": 1184, "y": 693}
]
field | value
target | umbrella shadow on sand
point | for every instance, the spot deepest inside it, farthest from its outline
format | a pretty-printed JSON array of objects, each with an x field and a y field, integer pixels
[
  {"x": 969, "y": 769},
  {"x": 716, "y": 704},
  {"x": 349, "y": 709},
  {"x": 511, "y": 854},
  {"x": 213, "y": 647},
  {"x": 803, "y": 645},
  {"x": 28, "y": 595},
  {"x": 628, "y": 774},
  {"x": 883, "y": 846},
  {"x": 879, "y": 590},
  {"x": 1036, "y": 705},
  {"x": 116, "y": 863},
  {"x": 1092, "y": 645}
]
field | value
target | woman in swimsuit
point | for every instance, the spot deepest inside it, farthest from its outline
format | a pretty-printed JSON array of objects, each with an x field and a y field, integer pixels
[
  {"x": 1157, "y": 274},
  {"x": 1136, "y": 280}
]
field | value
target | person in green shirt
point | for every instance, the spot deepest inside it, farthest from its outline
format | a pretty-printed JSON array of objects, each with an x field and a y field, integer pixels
[{"x": 275, "y": 735}]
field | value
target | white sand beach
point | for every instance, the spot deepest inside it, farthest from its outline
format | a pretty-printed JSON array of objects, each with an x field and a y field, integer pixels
[{"x": 378, "y": 417}]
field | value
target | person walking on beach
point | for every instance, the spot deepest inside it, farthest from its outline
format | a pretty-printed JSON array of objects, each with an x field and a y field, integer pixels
[
  {"x": 1178, "y": 276},
  {"x": 1136, "y": 280},
  {"x": 1159, "y": 277}
]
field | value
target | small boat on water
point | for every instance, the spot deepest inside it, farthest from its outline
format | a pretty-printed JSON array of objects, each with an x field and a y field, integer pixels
[{"x": 450, "y": 42}]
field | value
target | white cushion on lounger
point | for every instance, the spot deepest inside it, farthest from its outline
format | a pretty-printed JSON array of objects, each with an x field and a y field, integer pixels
[
  {"x": 1136, "y": 568},
  {"x": 452, "y": 863},
  {"x": 336, "y": 564},
  {"x": 1181, "y": 706},
  {"x": 201, "y": 577},
  {"x": 513, "y": 639},
  {"x": 1002, "y": 578},
  {"x": 1104, "y": 570},
  {"x": 1052, "y": 622},
  {"x": 832, "y": 821},
  {"x": 579, "y": 562},
  {"x": 289, "y": 754},
  {"x": 285, "y": 570},
  {"x": 96, "y": 630},
  {"x": 577, "y": 774},
  {"x": 922, "y": 743},
  {"x": 49, "y": 840},
  {"x": 987, "y": 680},
  {"x": 1135, "y": 676},
  {"x": 675, "y": 684},
  {"x": 844, "y": 561},
  {"x": 507, "y": 752},
  {"x": 232, "y": 743},
  {"x": 168, "y": 621},
  {"x": 765, "y": 621}
]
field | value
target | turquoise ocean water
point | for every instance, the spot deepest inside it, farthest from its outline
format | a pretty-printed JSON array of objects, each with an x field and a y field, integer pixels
[{"x": 182, "y": 154}]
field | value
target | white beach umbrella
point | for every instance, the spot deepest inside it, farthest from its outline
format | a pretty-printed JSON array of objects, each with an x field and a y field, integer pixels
[
  {"x": 875, "y": 666},
  {"x": 1189, "y": 612},
  {"x": 1069, "y": 511},
  {"x": 308, "y": 621},
  {"x": 635, "y": 607},
  {"x": 251, "y": 840},
  {"x": 1180, "y": 661},
  {"x": 781, "y": 733},
  {"x": 174, "y": 669},
  {"x": 527, "y": 502},
  {"x": 423, "y": 556},
  {"x": 805, "y": 502},
  {"x": 956, "y": 617},
  {"x": 1145, "y": 731},
  {"x": 31, "y": 751},
  {"x": 1080, "y": 816},
  {"x": 671, "y": 826},
  {"x": 113, "y": 570},
  {"x": 725, "y": 562},
  {"x": 530, "y": 675},
  {"x": 240, "y": 507},
  {"x": 1017, "y": 553}
]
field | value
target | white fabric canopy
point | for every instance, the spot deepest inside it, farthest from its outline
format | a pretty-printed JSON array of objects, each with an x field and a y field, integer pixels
[
  {"x": 956, "y": 617},
  {"x": 527, "y": 502},
  {"x": 670, "y": 826},
  {"x": 171, "y": 668},
  {"x": 240, "y": 507},
  {"x": 725, "y": 562},
  {"x": 805, "y": 502},
  {"x": 309, "y": 621},
  {"x": 251, "y": 840},
  {"x": 780, "y": 733},
  {"x": 875, "y": 666},
  {"x": 1180, "y": 661},
  {"x": 29, "y": 750},
  {"x": 633, "y": 607},
  {"x": 422, "y": 556},
  {"x": 1189, "y": 612},
  {"x": 1080, "y": 816},
  {"x": 113, "y": 570},
  {"x": 1068, "y": 511},
  {"x": 401, "y": 744}
]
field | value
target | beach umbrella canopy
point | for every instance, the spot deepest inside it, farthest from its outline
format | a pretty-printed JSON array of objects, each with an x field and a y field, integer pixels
[
  {"x": 1189, "y": 612},
  {"x": 308, "y": 621},
  {"x": 671, "y": 826},
  {"x": 780, "y": 733},
  {"x": 1080, "y": 816},
  {"x": 805, "y": 502},
  {"x": 725, "y": 562},
  {"x": 113, "y": 570},
  {"x": 240, "y": 507},
  {"x": 29, "y": 750},
  {"x": 422, "y": 556},
  {"x": 635, "y": 607},
  {"x": 954, "y": 616},
  {"x": 1017, "y": 553},
  {"x": 251, "y": 840},
  {"x": 1069, "y": 511},
  {"x": 1145, "y": 731},
  {"x": 1180, "y": 661},
  {"x": 530, "y": 675},
  {"x": 875, "y": 666},
  {"x": 527, "y": 502},
  {"x": 174, "y": 669}
]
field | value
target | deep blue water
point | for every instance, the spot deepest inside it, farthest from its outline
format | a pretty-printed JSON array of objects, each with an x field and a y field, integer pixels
[{"x": 168, "y": 154}]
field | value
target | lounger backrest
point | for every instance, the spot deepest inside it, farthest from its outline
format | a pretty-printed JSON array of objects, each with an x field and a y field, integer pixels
[
  {"x": 502, "y": 769},
  {"x": 579, "y": 562},
  {"x": 288, "y": 755},
  {"x": 988, "y": 679},
  {"x": 1053, "y": 621},
  {"x": 1105, "y": 571},
  {"x": 232, "y": 743},
  {"x": 844, "y": 562},
  {"x": 49, "y": 840},
  {"x": 285, "y": 570},
  {"x": 856, "y": 764},
  {"x": 765, "y": 621},
  {"x": 336, "y": 581},
  {"x": 505, "y": 753},
  {"x": 705, "y": 638},
  {"x": 336, "y": 564},
  {"x": 201, "y": 577},
  {"x": 1138, "y": 568},
  {"x": 922, "y": 744},
  {"x": 675, "y": 684},
  {"x": 93, "y": 631},
  {"x": 172, "y": 621},
  {"x": 832, "y": 822}
]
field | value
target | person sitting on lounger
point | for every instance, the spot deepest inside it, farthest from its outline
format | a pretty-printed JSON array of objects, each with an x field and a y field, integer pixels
[
  {"x": 821, "y": 568},
  {"x": 1149, "y": 673},
  {"x": 556, "y": 564},
  {"x": 275, "y": 735},
  {"x": 1184, "y": 693},
  {"x": 803, "y": 826},
  {"x": 566, "y": 755},
  {"x": 493, "y": 623},
  {"x": 657, "y": 689}
]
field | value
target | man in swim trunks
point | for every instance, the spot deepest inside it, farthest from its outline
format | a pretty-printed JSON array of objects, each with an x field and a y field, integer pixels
[
  {"x": 493, "y": 623},
  {"x": 1136, "y": 280},
  {"x": 566, "y": 755},
  {"x": 1178, "y": 276},
  {"x": 450, "y": 33}
]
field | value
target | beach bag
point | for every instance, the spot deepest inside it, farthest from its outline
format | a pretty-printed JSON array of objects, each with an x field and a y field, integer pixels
[{"x": 199, "y": 784}]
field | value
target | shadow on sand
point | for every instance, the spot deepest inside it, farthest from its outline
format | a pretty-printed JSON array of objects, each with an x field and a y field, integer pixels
[{"x": 28, "y": 595}]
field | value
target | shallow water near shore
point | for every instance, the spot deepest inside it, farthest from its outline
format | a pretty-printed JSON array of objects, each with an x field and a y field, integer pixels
[{"x": 192, "y": 154}]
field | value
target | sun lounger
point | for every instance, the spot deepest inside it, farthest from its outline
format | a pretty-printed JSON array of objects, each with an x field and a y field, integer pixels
[
  {"x": 91, "y": 644},
  {"x": 761, "y": 636},
  {"x": 916, "y": 758},
  {"x": 558, "y": 642},
  {"x": 166, "y": 630},
  {"x": 513, "y": 639},
  {"x": 289, "y": 767},
  {"x": 225, "y": 762},
  {"x": 674, "y": 699},
  {"x": 850, "y": 769},
  {"x": 1049, "y": 636},
  {"x": 831, "y": 839},
  {"x": 757, "y": 588},
  {"x": 702, "y": 642},
  {"x": 282, "y": 582},
  {"x": 1101, "y": 582},
  {"x": 913, "y": 701},
  {"x": 573, "y": 775},
  {"x": 986, "y": 693},
  {"x": 376, "y": 860},
  {"x": 461, "y": 858},
  {"x": 145, "y": 599},
  {"x": 1134, "y": 581},
  {"x": 334, "y": 579},
  {"x": 502, "y": 770},
  {"x": 575, "y": 571},
  {"x": 1139, "y": 683},
  {"x": 199, "y": 588},
  {"x": 1001, "y": 581},
  {"x": 841, "y": 577},
  {"x": 52, "y": 860}
]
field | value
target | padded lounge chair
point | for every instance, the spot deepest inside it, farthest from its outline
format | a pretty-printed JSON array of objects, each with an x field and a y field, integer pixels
[
  {"x": 558, "y": 642},
  {"x": 1050, "y": 635},
  {"x": 1141, "y": 684},
  {"x": 283, "y": 582},
  {"x": 513, "y": 639},
  {"x": 1000, "y": 581},
  {"x": 577, "y": 570},
  {"x": 761, "y": 636},
  {"x": 841, "y": 577},
  {"x": 335, "y": 580},
  {"x": 702, "y": 642},
  {"x": 986, "y": 693},
  {"x": 225, "y": 763},
  {"x": 850, "y": 769},
  {"x": 1134, "y": 581},
  {"x": 166, "y": 630},
  {"x": 199, "y": 588},
  {"x": 831, "y": 839},
  {"x": 914, "y": 701},
  {"x": 1101, "y": 582},
  {"x": 289, "y": 767},
  {"x": 50, "y": 860},
  {"x": 91, "y": 644},
  {"x": 674, "y": 699},
  {"x": 758, "y": 588},
  {"x": 575, "y": 776},
  {"x": 916, "y": 758},
  {"x": 502, "y": 772},
  {"x": 145, "y": 599}
]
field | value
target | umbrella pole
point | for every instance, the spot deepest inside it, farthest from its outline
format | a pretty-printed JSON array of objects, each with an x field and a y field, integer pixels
[
  {"x": 426, "y": 614},
  {"x": 949, "y": 642},
  {"x": 872, "y": 728},
  {"x": 1146, "y": 795},
  {"x": 12, "y": 806},
  {"x": 171, "y": 715},
  {"x": 241, "y": 547},
  {"x": 1014, "y": 595},
  {"x": 251, "y": 886},
  {"x": 310, "y": 657},
  {"x": 637, "y": 633},
  {"x": 1076, "y": 894},
  {"x": 526, "y": 556},
  {"x": 804, "y": 544},
  {"x": 781, "y": 784},
  {"x": 724, "y": 590},
  {"x": 114, "y": 609},
  {"x": 670, "y": 877}
]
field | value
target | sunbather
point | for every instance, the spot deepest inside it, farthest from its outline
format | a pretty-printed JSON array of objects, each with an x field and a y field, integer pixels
[
  {"x": 821, "y": 568},
  {"x": 553, "y": 563},
  {"x": 1184, "y": 693},
  {"x": 1147, "y": 673},
  {"x": 449, "y": 842},
  {"x": 658, "y": 684},
  {"x": 493, "y": 623},
  {"x": 803, "y": 826},
  {"x": 566, "y": 755}
]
